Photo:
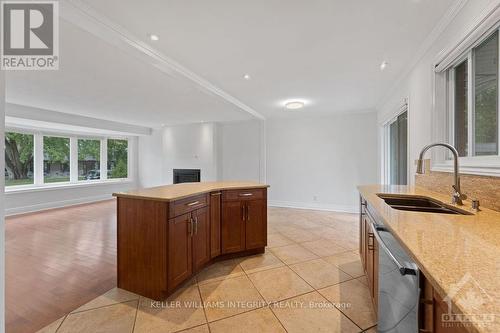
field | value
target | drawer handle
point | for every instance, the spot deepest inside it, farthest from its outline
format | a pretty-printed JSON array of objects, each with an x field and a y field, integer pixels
[
  {"x": 371, "y": 246},
  {"x": 246, "y": 194},
  {"x": 192, "y": 203},
  {"x": 215, "y": 194}
]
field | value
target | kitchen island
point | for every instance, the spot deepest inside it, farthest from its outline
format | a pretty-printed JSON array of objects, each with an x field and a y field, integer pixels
[{"x": 167, "y": 234}]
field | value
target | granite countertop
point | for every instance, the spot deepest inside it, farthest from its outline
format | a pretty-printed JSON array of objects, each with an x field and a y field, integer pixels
[
  {"x": 458, "y": 254},
  {"x": 179, "y": 191}
]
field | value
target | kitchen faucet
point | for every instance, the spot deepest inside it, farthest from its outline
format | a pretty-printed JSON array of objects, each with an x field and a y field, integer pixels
[{"x": 457, "y": 196}]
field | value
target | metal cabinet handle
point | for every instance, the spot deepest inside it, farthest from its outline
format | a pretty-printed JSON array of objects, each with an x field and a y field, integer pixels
[
  {"x": 192, "y": 203},
  {"x": 245, "y": 194},
  {"x": 248, "y": 214},
  {"x": 243, "y": 212},
  {"x": 191, "y": 226},
  {"x": 215, "y": 194},
  {"x": 196, "y": 225}
]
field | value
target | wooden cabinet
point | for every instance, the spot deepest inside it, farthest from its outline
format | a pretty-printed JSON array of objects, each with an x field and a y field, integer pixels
[
  {"x": 162, "y": 244},
  {"x": 215, "y": 223},
  {"x": 432, "y": 309},
  {"x": 200, "y": 238},
  {"x": 255, "y": 224},
  {"x": 369, "y": 253},
  {"x": 233, "y": 226},
  {"x": 180, "y": 265},
  {"x": 188, "y": 245},
  {"x": 244, "y": 220}
]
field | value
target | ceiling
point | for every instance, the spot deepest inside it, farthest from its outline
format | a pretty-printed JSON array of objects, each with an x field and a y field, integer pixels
[
  {"x": 99, "y": 80},
  {"x": 327, "y": 53}
]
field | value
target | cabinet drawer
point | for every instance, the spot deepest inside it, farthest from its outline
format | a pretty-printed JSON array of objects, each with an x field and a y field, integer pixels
[
  {"x": 187, "y": 205},
  {"x": 250, "y": 194}
]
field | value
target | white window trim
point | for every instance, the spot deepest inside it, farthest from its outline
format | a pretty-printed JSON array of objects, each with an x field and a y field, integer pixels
[
  {"x": 38, "y": 162},
  {"x": 477, "y": 165},
  {"x": 386, "y": 165}
]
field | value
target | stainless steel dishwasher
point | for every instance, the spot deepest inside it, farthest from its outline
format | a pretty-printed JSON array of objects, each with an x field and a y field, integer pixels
[{"x": 398, "y": 289}]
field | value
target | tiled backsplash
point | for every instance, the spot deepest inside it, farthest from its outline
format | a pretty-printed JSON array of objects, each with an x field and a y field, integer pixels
[{"x": 484, "y": 188}]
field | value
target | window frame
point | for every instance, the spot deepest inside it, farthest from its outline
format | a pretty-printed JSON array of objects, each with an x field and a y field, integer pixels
[
  {"x": 38, "y": 160},
  {"x": 488, "y": 165},
  {"x": 403, "y": 107}
]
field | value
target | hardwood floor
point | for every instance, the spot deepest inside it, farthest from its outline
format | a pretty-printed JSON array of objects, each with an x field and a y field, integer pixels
[{"x": 57, "y": 261}]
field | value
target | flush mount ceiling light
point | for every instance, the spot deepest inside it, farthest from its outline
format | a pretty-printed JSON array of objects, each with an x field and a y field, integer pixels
[
  {"x": 294, "y": 105},
  {"x": 247, "y": 77},
  {"x": 154, "y": 37},
  {"x": 383, "y": 65}
]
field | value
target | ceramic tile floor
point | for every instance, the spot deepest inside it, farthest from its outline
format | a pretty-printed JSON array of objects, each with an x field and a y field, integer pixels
[{"x": 309, "y": 280}]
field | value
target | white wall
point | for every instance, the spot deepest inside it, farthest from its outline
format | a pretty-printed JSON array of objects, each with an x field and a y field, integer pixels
[
  {"x": 150, "y": 161},
  {"x": 418, "y": 84},
  {"x": 240, "y": 150},
  {"x": 192, "y": 146},
  {"x": 318, "y": 162}
]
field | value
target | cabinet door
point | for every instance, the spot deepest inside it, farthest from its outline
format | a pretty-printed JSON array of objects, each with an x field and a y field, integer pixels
[
  {"x": 179, "y": 250},
  {"x": 233, "y": 226},
  {"x": 375, "y": 274},
  {"x": 201, "y": 238},
  {"x": 215, "y": 227},
  {"x": 362, "y": 240},
  {"x": 256, "y": 224},
  {"x": 369, "y": 254}
]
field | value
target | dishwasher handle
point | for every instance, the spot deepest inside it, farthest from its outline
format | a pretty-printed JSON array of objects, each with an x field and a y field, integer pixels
[{"x": 402, "y": 269}]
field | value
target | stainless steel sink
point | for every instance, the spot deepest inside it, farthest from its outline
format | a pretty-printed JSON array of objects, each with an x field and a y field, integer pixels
[{"x": 422, "y": 204}]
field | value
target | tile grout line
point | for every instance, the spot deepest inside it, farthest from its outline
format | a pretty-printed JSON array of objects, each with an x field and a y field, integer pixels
[
  {"x": 316, "y": 290},
  {"x": 269, "y": 307},
  {"x": 136, "y": 311},
  {"x": 104, "y": 306},
  {"x": 59, "y": 326},
  {"x": 233, "y": 315},
  {"x": 202, "y": 302},
  {"x": 342, "y": 313}
]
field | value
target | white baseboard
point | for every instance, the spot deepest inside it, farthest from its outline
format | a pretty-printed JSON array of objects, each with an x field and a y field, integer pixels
[
  {"x": 314, "y": 206},
  {"x": 55, "y": 204}
]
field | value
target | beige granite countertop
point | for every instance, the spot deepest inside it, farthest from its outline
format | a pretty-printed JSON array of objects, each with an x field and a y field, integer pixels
[
  {"x": 179, "y": 191},
  {"x": 459, "y": 254}
]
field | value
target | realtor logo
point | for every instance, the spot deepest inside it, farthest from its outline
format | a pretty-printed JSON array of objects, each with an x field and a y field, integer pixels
[{"x": 30, "y": 35}]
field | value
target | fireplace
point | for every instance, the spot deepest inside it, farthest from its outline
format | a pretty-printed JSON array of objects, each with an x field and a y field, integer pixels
[{"x": 186, "y": 175}]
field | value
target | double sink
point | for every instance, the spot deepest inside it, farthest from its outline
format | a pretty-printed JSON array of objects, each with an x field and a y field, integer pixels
[{"x": 423, "y": 204}]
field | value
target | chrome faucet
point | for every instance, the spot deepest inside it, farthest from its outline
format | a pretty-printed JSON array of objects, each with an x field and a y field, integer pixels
[{"x": 457, "y": 196}]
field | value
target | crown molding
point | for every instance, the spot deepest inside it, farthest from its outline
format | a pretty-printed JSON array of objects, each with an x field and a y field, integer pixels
[
  {"x": 85, "y": 17},
  {"x": 443, "y": 23}
]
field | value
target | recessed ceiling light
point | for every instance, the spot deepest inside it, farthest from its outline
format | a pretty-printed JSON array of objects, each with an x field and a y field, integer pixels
[
  {"x": 294, "y": 105},
  {"x": 383, "y": 65},
  {"x": 154, "y": 37},
  {"x": 247, "y": 77}
]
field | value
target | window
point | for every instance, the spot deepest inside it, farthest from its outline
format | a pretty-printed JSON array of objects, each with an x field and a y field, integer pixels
[
  {"x": 19, "y": 151},
  {"x": 475, "y": 100},
  {"x": 89, "y": 159},
  {"x": 56, "y": 159},
  {"x": 117, "y": 158}
]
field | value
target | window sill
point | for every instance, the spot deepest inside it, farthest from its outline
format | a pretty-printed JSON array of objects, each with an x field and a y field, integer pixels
[
  {"x": 61, "y": 186},
  {"x": 480, "y": 169}
]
